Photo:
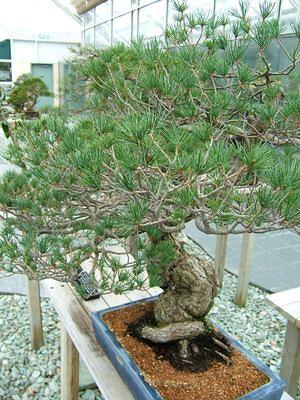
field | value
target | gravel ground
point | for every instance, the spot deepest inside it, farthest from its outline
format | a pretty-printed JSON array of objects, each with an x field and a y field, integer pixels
[{"x": 26, "y": 374}]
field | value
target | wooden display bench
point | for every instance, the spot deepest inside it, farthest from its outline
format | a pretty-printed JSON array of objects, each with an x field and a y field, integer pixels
[
  {"x": 288, "y": 304},
  {"x": 77, "y": 337}
]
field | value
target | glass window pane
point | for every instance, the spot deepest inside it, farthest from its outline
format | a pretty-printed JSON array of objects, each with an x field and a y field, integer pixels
[
  {"x": 5, "y": 72},
  {"x": 121, "y": 7},
  {"x": 280, "y": 60},
  {"x": 122, "y": 29},
  {"x": 89, "y": 18},
  {"x": 226, "y": 5},
  {"x": 223, "y": 6},
  {"x": 143, "y": 2},
  {"x": 89, "y": 37},
  {"x": 254, "y": 9},
  {"x": 134, "y": 25},
  {"x": 103, "y": 11},
  {"x": 5, "y": 50},
  {"x": 102, "y": 35},
  {"x": 172, "y": 13},
  {"x": 206, "y": 5},
  {"x": 289, "y": 10},
  {"x": 152, "y": 20},
  {"x": 193, "y": 5}
]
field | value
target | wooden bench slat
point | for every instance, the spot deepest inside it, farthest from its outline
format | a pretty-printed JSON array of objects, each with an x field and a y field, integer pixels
[
  {"x": 154, "y": 291},
  {"x": 74, "y": 314},
  {"x": 288, "y": 304},
  {"x": 78, "y": 324}
]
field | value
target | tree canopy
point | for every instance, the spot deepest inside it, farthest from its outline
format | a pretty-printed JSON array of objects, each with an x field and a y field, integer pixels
[
  {"x": 185, "y": 126},
  {"x": 26, "y": 91}
]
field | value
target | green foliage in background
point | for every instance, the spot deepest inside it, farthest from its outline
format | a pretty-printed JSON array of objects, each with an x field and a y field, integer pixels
[{"x": 26, "y": 91}]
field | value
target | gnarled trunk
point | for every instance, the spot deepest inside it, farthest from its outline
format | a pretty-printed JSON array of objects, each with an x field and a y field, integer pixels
[{"x": 180, "y": 310}]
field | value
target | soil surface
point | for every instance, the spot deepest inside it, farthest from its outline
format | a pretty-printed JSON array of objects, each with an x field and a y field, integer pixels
[{"x": 204, "y": 376}]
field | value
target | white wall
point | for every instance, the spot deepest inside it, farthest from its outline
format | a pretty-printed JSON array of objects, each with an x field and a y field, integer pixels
[
  {"x": 53, "y": 52},
  {"x": 40, "y": 33},
  {"x": 24, "y": 53},
  {"x": 19, "y": 68},
  {"x": 27, "y": 52},
  {"x": 40, "y": 52},
  {"x": 23, "y": 50}
]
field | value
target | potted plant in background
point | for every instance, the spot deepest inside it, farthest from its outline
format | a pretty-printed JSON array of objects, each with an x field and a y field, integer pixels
[
  {"x": 19, "y": 102},
  {"x": 182, "y": 128},
  {"x": 25, "y": 93},
  {"x": 5, "y": 112}
]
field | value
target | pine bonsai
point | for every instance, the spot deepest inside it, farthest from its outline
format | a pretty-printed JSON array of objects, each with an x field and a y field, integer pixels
[
  {"x": 183, "y": 127},
  {"x": 26, "y": 91}
]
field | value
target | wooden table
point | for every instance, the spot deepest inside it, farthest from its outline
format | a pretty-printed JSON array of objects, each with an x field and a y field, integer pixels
[
  {"x": 77, "y": 338},
  {"x": 288, "y": 304}
]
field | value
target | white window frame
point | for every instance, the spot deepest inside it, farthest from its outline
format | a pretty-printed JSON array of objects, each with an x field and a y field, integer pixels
[{"x": 135, "y": 8}]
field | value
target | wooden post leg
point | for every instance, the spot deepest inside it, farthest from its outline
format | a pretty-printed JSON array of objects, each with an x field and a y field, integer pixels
[
  {"x": 245, "y": 269},
  {"x": 290, "y": 363},
  {"x": 35, "y": 315},
  {"x": 220, "y": 255},
  {"x": 69, "y": 367}
]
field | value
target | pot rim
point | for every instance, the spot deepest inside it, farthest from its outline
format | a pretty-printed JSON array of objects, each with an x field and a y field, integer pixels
[{"x": 134, "y": 377}]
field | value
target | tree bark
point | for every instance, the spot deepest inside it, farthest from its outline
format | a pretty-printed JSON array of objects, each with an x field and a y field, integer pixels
[
  {"x": 171, "y": 332},
  {"x": 180, "y": 310}
]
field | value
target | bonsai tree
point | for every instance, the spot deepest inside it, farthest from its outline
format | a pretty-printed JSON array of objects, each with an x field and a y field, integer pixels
[
  {"x": 26, "y": 91},
  {"x": 2, "y": 107},
  {"x": 7, "y": 114},
  {"x": 183, "y": 127}
]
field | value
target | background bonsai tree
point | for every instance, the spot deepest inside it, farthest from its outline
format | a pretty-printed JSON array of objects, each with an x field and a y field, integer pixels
[
  {"x": 176, "y": 134},
  {"x": 26, "y": 91},
  {"x": 2, "y": 107},
  {"x": 7, "y": 115}
]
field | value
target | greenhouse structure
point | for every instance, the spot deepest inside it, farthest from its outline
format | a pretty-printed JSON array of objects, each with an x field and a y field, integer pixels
[{"x": 113, "y": 21}]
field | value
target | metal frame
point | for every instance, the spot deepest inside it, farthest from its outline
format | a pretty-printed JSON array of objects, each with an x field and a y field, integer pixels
[{"x": 135, "y": 9}]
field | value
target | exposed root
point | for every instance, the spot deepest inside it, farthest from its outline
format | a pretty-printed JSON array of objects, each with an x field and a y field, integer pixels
[
  {"x": 187, "y": 361},
  {"x": 184, "y": 349},
  {"x": 178, "y": 331},
  {"x": 225, "y": 358},
  {"x": 195, "y": 348},
  {"x": 221, "y": 344}
]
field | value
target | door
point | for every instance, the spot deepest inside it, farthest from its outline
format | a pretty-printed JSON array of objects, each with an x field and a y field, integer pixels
[{"x": 45, "y": 72}]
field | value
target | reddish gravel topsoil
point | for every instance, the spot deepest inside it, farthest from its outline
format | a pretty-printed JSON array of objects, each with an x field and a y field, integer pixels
[{"x": 205, "y": 376}]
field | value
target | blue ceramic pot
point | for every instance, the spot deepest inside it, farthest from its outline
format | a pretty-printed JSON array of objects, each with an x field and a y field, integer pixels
[{"x": 133, "y": 376}]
